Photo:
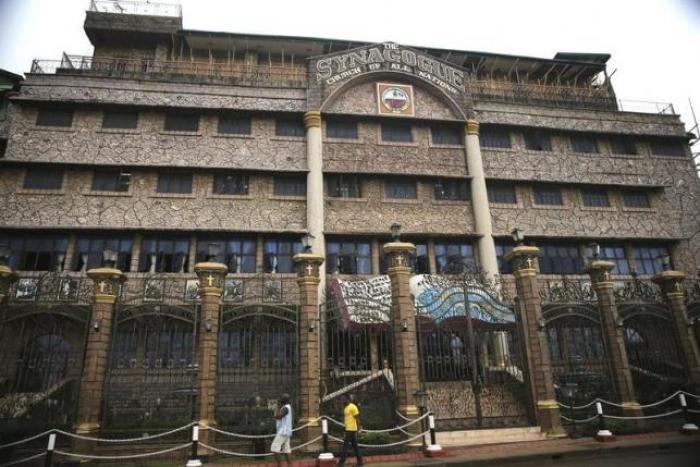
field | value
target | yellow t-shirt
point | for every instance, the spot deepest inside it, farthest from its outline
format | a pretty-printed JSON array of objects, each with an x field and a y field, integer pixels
[{"x": 350, "y": 412}]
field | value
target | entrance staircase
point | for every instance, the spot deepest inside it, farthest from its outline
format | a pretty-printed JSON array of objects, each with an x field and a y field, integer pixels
[{"x": 490, "y": 436}]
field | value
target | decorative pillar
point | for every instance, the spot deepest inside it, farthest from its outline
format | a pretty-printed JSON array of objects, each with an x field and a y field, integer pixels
[
  {"x": 612, "y": 335},
  {"x": 480, "y": 200},
  {"x": 670, "y": 283},
  {"x": 403, "y": 325},
  {"x": 523, "y": 260},
  {"x": 107, "y": 282},
  {"x": 314, "y": 188},
  {"x": 308, "y": 278},
  {"x": 7, "y": 278},
  {"x": 211, "y": 278}
]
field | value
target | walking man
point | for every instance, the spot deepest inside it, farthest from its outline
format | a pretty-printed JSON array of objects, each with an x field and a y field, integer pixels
[
  {"x": 281, "y": 443},
  {"x": 352, "y": 426}
]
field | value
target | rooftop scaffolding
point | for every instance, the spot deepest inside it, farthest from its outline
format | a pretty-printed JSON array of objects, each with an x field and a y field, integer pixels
[{"x": 134, "y": 7}]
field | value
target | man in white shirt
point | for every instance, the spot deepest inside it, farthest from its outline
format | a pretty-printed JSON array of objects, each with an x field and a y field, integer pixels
[{"x": 281, "y": 443}]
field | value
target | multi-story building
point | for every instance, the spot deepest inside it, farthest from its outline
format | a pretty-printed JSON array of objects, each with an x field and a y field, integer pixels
[{"x": 176, "y": 146}]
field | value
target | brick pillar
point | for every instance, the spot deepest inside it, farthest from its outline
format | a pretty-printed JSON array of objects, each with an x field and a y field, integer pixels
[
  {"x": 612, "y": 335},
  {"x": 308, "y": 278},
  {"x": 7, "y": 278},
  {"x": 104, "y": 298},
  {"x": 670, "y": 283},
  {"x": 403, "y": 325},
  {"x": 211, "y": 277},
  {"x": 523, "y": 260}
]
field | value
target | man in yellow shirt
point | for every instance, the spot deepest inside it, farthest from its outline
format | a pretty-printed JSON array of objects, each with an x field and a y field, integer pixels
[{"x": 352, "y": 426}]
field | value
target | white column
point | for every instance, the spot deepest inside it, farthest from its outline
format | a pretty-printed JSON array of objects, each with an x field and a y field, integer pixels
[
  {"x": 314, "y": 190},
  {"x": 480, "y": 200}
]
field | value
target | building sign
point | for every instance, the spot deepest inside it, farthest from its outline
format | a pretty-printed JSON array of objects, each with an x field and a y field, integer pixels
[
  {"x": 395, "y": 99},
  {"x": 389, "y": 56}
]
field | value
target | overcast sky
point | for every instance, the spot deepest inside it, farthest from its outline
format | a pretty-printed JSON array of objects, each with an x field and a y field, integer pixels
[{"x": 655, "y": 44}]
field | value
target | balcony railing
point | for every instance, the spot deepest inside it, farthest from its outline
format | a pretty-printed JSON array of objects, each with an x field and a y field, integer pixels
[
  {"x": 130, "y": 7},
  {"x": 116, "y": 67}
]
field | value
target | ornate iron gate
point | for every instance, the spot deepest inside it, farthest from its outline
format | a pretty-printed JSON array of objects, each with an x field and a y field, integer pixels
[
  {"x": 470, "y": 362},
  {"x": 151, "y": 379}
]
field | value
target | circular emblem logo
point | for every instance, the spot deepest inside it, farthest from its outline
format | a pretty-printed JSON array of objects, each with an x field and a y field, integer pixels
[{"x": 395, "y": 99}]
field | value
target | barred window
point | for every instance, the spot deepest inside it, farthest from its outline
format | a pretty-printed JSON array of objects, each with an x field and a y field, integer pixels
[
  {"x": 451, "y": 189},
  {"x": 343, "y": 186},
  {"x": 40, "y": 178},
  {"x": 616, "y": 254},
  {"x": 111, "y": 180},
  {"x": 636, "y": 199},
  {"x": 397, "y": 132},
  {"x": 646, "y": 258},
  {"x": 237, "y": 253},
  {"x": 293, "y": 127},
  {"x": 419, "y": 261},
  {"x": 279, "y": 253},
  {"x": 174, "y": 182},
  {"x": 230, "y": 184},
  {"x": 595, "y": 198},
  {"x": 501, "y": 193},
  {"x": 182, "y": 122},
  {"x": 164, "y": 254},
  {"x": 29, "y": 252},
  {"x": 502, "y": 248},
  {"x": 349, "y": 256},
  {"x": 667, "y": 148},
  {"x": 446, "y": 135},
  {"x": 89, "y": 250},
  {"x": 584, "y": 143},
  {"x": 454, "y": 257},
  {"x": 234, "y": 125},
  {"x": 400, "y": 189},
  {"x": 494, "y": 138},
  {"x": 537, "y": 140},
  {"x": 622, "y": 145},
  {"x": 290, "y": 186},
  {"x": 560, "y": 258},
  {"x": 120, "y": 119},
  {"x": 54, "y": 117},
  {"x": 548, "y": 196},
  {"x": 341, "y": 129}
]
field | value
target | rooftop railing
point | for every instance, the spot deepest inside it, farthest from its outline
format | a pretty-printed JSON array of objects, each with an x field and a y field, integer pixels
[
  {"x": 131, "y": 7},
  {"x": 647, "y": 107}
]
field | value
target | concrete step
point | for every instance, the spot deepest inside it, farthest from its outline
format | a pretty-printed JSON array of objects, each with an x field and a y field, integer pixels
[{"x": 490, "y": 436}]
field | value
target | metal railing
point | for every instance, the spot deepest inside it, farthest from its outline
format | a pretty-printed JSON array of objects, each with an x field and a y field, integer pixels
[
  {"x": 647, "y": 107},
  {"x": 131, "y": 7}
]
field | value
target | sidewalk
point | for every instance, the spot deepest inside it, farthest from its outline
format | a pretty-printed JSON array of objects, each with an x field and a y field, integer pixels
[{"x": 498, "y": 454}]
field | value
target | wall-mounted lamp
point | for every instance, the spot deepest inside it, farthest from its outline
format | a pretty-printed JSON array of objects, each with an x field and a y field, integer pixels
[
  {"x": 208, "y": 325},
  {"x": 542, "y": 323},
  {"x": 665, "y": 260},
  {"x": 595, "y": 250},
  {"x": 95, "y": 324},
  {"x": 620, "y": 323},
  {"x": 213, "y": 250},
  {"x": 306, "y": 241},
  {"x": 518, "y": 236},
  {"x": 312, "y": 325},
  {"x": 404, "y": 326},
  {"x": 109, "y": 257},
  {"x": 395, "y": 232}
]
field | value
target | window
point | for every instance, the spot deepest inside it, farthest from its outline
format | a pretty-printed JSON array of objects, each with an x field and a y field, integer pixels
[
  {"x": 646, "y": 258},
  {"x": 174, "y": 182},
  {"x": 289, "y": 127},
  {"x": 230, "y": 184},
  {"x": 451, "y": 189},
  {"x": 536, "y": 140},
  {"x": 502, "y": 248},
  {"x": 343, "y": 186},
  {"x": 595, "y": 198},
  {"x": 237, "y": 253},
  {"x": 341, "y": 129},
  {"x": 36, "y": 252},
  {"x": 43, "y": 179},
  {"x": 453, "y": 257},
  {"x": 400, "y": 189},
  {"x": 111, "y": 180},
  {"x": 90, "y": 248},
  {"x": 397, "y": 132},
  {"x": 584, "y": 143},
  {"x": 668, "y": 148},
  {"x": 622, "y": 145},
  {"x": 636, "y": 199},
  {"x": 501, "y": 193},
  {"x": 54, "y": 117},
  {"x": 234, "y": 125},
  {"x": 182, "y": 122},
  {"x": 494, "y": 138},
  {"x": 290, "y": 186},
  {"x": 279, "y": 253},
  {"x": 446, "y": 135},
  {"x": 616, "y": 254},
  {"x": 549, "y": 196},
  {"x": 114, "y": 119},
  {"x": 3, "y": 147},
  {"x": 349, "y": 257},
  {"x": 559, "y": 258},
  {"x": 418, "y": 260},
  {"x": 164, "y": 254}
]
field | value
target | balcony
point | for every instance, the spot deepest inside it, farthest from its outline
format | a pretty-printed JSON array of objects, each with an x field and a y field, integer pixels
[
  {"x": 228, "y": 73},
  {"x": 136, "y": 8}
]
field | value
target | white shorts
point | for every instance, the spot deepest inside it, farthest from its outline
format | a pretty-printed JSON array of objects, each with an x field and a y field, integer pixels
[{"x": 280, "y": 445}]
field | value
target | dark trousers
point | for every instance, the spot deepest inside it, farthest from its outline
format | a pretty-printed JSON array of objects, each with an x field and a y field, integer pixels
[{"x": 350, "y": 439}]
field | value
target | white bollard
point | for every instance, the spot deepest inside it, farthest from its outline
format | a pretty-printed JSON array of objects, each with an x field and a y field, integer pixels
[
  {"x": 325, "y": 458},
  {"x": 688, "y": 426},
  {"x": 433, "y": 448},
  {"x": 603, "y": 433},
  {"x": 194, "y": 459}
]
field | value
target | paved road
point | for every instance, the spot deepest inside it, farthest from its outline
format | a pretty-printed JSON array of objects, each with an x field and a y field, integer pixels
[{"x": 671, "y": 457}]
